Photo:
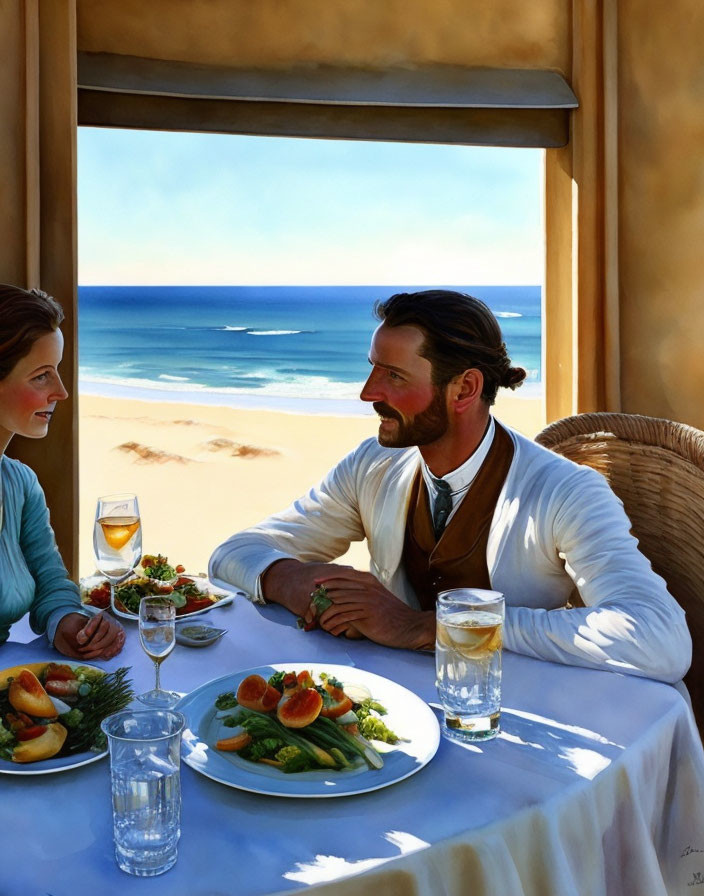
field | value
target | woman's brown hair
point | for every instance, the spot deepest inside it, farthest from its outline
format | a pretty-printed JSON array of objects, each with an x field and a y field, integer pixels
[{"x": 25, "y": 316}]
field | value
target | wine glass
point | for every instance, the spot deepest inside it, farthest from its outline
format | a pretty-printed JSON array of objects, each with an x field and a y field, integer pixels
[
  {"x": 157, "y": 634},
  {"x": 117, "y": 538}
]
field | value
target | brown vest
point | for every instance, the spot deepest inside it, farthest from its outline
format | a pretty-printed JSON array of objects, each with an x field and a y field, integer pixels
[{"x": 458, "y": 559}]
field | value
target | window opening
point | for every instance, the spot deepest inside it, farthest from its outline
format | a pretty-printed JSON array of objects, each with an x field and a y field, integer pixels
[{"x": 226, "y": 286}]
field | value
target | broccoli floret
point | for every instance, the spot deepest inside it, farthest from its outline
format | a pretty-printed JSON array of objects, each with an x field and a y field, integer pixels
[
  {"x": 293, "y": 759},
  {"x": 374, "y": 729},
  {"x": 366, "y": 707},
  {"x": 7, "y": 743},
  {"x": 265, "y": 748},
  {"x": 72, "y": 719},
  {"x": 6, "y": 737},
  {"x": 286, "y": 753},
  {"x": 226, "y": 701}
]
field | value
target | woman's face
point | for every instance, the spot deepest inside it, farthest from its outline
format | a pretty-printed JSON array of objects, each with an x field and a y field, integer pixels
[{"x": 29, "y": 393}]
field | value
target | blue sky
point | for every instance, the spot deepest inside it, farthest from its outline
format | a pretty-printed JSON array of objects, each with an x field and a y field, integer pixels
[{"x": 181, "y": 208}]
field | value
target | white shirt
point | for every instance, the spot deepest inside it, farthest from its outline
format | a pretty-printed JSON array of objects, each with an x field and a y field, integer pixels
[
  {"x": 461, "y": 478},
  {"x": 556, "y": 525}
]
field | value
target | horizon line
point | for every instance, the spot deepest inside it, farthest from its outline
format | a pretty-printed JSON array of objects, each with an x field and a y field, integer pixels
[{"x": 308, "y": 285}]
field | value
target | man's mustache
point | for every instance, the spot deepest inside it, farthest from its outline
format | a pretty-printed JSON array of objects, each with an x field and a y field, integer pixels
[{"x": 383, "y": 410}]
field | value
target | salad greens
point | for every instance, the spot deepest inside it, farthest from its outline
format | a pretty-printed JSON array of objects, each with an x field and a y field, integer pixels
[
  {"x": 132, "y": 593},
  {"x": 158, "y": 568}
]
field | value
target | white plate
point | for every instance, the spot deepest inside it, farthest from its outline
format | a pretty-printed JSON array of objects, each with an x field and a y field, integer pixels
[
  {"x": 56, "y": 763},
  {"x": 201, "y": 582},
  {"x": 408, "y": 716}
]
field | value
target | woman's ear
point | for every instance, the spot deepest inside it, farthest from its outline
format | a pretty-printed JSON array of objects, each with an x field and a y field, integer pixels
[{"x": 465, "y": 390}]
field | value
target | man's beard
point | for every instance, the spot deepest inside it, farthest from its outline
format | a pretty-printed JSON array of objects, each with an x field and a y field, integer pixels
[{"x": 426, "y": 427}]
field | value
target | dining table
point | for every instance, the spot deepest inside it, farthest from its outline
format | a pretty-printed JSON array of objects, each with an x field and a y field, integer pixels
[{"x": 595, "y": 785}]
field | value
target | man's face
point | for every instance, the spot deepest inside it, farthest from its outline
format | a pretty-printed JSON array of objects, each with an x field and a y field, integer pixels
[{"x": 413, "y": 410}]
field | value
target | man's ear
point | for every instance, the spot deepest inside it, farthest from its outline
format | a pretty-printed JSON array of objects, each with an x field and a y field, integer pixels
[{"x": 465, "y": 390}]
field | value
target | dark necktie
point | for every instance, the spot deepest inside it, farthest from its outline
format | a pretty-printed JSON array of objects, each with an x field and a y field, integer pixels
[{"x": 443, "y": 506}]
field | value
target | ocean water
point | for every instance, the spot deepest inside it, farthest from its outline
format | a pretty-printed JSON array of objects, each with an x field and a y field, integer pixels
[{"x": 280, "y": 347}]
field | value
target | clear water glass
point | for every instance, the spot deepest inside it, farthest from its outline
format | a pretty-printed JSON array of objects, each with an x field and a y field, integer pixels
[
  {"x": 468, "y": 662},
  {"x": 157, "y": 635},
  {"x": 146, "y": 789}
]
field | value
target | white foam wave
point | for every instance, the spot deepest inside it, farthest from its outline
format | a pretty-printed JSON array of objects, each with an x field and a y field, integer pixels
[
  {"x": 507, "y": 314},
  {"x": 143, "y": 383},
  {"x": 233, "y": 329},
  {"x": 314, "y": 386},
  {"x": 176, "y": 379},
  {"x": 274, "y": 332}
]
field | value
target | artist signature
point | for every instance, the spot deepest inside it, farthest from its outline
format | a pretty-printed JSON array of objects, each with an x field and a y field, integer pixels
[{"x": 697, "y": 876}]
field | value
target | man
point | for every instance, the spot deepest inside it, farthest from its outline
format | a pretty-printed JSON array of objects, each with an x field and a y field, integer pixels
[{"x": 448, "y": 497}]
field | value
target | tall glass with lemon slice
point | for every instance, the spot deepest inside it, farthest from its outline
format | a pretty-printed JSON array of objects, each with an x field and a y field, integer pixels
[
  {"x": 468, "y": 661},
  {"x": 117, "y": 537}
]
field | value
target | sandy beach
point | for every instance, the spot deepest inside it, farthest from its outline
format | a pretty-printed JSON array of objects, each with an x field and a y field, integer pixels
[{"x": 202, "y": 472}]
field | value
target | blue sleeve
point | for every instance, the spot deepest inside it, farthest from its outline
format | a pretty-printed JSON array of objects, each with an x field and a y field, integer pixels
[{"x": 54, "y": 590}]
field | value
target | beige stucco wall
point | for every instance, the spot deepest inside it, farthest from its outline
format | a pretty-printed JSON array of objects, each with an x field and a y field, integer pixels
[
  {"x": 627, "y": 194},
  {"x": 661, "y": 201},
  {"x": 13, "y": 141},
  {"x": 272, "y": 33}
]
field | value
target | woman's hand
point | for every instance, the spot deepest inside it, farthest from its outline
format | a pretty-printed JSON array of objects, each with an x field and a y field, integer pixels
[{"x": 101, "y": 637}]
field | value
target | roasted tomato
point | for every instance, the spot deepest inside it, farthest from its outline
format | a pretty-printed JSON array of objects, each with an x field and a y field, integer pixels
[
  {"x": 193, "y": 604},
  {"x": 31, "y": 732},
  {"x": 305, "y": 679},
  {"x": 59, "y": 672},
  {"x": 300, "y": 709},
  {"x": 256, "y": 693},
  {"x": 100, "y": 596},
  {"x": 339, "y": 703}
]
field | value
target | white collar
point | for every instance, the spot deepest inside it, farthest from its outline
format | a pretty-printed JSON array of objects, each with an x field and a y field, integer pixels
[{"x": 463, "y": 476}]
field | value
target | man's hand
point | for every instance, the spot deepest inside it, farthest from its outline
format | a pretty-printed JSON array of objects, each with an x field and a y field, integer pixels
[
  {"x": 359, "y": 600},
  {"x": 292, "y": 583},
  {"x": 101, "y": 637}
]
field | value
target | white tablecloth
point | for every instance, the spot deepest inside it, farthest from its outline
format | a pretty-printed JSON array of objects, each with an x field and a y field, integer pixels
[{"x": 595, "y": 786}]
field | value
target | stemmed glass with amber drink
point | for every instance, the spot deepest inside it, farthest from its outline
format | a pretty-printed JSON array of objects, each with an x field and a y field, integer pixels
[{"x": 117, "y": 538}]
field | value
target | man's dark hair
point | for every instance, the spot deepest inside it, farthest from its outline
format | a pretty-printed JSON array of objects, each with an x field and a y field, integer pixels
[
  {"x": 25, "y": 316},
  {"x": 460, "y": 333}
]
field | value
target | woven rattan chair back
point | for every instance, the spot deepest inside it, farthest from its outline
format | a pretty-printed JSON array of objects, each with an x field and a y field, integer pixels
[{"x": 656, "y": 467}]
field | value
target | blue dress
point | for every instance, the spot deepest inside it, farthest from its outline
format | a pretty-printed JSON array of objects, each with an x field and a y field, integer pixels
[{"x": 32, "y": 575}]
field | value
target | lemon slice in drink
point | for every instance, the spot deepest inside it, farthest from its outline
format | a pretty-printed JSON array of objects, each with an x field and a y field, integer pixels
[
  {"x": 471, "y": 635},
  {"x": 119, "y": 530}
]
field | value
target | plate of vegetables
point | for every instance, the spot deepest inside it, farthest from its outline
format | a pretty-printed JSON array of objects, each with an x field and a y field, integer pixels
[
  {"x": 50, "y": 715},
  {"x": 192, "y": 594},
  {"x": 315, "y": 730}
]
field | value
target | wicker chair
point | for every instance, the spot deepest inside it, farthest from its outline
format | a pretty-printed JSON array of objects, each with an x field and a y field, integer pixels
[{"x": 656, "y": 467}]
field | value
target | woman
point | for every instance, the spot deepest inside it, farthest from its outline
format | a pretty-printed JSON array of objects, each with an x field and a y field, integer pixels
[{"x": 32, "y": 575}]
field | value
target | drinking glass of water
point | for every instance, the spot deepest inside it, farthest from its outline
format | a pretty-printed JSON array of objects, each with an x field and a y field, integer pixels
[
  {"x": 117, "y": 538},
  {"x": 146, "y": 789},
  {"x": 468, "y": 661},
  {"x": 157, "y": 635}
]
